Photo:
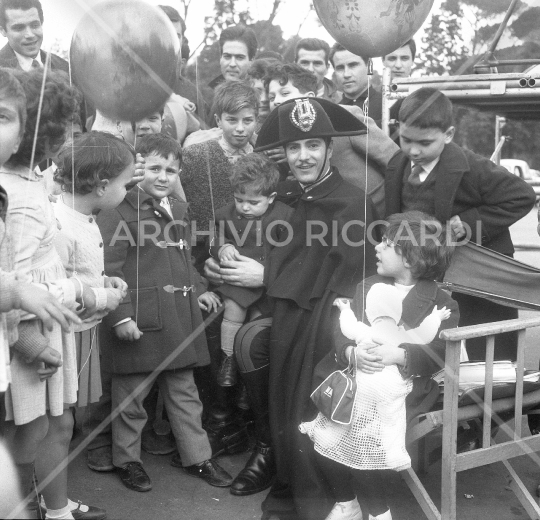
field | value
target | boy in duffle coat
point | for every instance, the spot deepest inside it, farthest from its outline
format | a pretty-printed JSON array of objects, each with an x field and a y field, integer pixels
[{"x": 157, "y": 332}]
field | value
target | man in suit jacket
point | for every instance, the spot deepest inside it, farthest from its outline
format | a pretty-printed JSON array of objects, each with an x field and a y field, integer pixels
[{"x": 21, "y": 22}]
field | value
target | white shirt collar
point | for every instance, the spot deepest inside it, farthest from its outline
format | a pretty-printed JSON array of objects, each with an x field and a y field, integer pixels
[
  {"x": 428, "y": 168},
  {"x": 26, "y": 63}
]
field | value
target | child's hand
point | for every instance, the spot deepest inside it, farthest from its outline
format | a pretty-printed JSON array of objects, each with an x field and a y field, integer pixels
[
  {"x": 457, "y": 227},
  {"x": 89, "y": 302},
  {"x": 140, "y": 164},
  {"x": 45, "y": 306},
  {"x": 189, "y": 106},
  {"x": 342, "y": 303},
  {"x": 229, "y": 253},
  {"x": 114, "y": 297},
  {"x": 128, "y": 331},
  {"x": 366, "y": 360},
  {"x": 115, "y": 282},
  {"x": 52, "y": 360},
  {"x": 442, "y": 314},
  {"x": 209, "y": 301}
]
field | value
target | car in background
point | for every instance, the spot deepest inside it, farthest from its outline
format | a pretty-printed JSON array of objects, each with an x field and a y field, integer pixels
[{"x": 524, "y": 171}]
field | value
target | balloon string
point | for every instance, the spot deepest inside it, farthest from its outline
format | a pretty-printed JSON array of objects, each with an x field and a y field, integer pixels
[
  {"x": 73, "y": 176},
  {"x": 40, "y": 108},
  {"x": 36, "y": 133},
  {"x": 366, "y": 122},
  {"x": 138, "y": 240}
]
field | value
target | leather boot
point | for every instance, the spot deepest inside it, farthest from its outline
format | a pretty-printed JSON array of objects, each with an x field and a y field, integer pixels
[{"x": 260, "y": 468}]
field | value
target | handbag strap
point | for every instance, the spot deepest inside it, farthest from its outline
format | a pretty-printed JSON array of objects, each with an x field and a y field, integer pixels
[{"x": 353, "y": 364}]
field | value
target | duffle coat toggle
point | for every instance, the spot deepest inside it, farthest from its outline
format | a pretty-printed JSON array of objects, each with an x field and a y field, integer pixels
[
  {"x": 173, "y": 289},
  {"x": 180, "y": 244}
]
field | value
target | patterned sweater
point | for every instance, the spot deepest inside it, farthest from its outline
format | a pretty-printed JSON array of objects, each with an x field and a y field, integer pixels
[{"x": 203, "y": 164}]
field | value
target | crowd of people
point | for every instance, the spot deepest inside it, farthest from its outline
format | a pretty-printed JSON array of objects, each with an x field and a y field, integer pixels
[{"x": 207, "y": 272}]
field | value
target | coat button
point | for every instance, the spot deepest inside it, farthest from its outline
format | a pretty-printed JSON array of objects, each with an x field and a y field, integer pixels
[
  {"x": 101, "y": 244},
  {"x": 90, "y": 220}
]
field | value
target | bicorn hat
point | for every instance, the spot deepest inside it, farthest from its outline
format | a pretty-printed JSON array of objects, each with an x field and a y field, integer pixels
[{"x": 306, "y": 118}]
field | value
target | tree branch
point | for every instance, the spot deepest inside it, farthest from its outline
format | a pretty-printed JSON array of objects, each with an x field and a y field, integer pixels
[{"x": 275, "y": 8}]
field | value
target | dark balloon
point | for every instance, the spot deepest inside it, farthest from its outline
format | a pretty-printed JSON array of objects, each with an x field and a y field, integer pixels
[
  {"x": 123, "y": 57},
  {"x": 372, "y": 27}
]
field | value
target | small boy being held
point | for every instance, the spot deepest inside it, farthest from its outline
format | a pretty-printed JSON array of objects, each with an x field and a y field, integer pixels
[
  {"x": 242, "y": 228},
  {"x": 156, "y": 334}
]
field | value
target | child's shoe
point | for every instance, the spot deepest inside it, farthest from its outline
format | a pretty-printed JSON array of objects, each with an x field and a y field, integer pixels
[
  {"x": 228, "y": 372},
  {"x": 345, "y": 511},
  {"x": 383, "y": 516}
]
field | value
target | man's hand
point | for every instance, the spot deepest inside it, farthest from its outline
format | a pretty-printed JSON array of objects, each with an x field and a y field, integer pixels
[
  {"x": 457, "y": 227},
  {"x": 52, "y": 360},
  {"x": 277, "y": 155},
  {"x": 244, "y": 272},
  {"x": 212, "y": 271},
  {"x": 209, "y": 301},
  {"x": 45, "y": 306},
  {"x": 114, "y": 282},
  {"x": 128, "y": 331}
]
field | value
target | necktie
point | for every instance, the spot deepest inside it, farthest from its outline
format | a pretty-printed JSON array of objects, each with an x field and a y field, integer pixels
[
  {"x": 35, "y": 64},
  {"x": 414, "y": 177}
]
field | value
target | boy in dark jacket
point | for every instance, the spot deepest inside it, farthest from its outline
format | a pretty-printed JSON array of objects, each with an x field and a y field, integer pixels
[
  {"x": 157, "y": 332},
  {"x": 478, "y": 199}
]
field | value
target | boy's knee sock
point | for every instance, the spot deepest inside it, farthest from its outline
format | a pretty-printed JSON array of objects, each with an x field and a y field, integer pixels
[{"x": 228, "y": 333}]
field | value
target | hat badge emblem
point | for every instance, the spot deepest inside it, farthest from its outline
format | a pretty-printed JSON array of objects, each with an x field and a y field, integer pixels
[{"x": 303, "y": 115}]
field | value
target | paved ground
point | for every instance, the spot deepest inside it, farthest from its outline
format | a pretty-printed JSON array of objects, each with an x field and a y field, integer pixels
[{"x": 176, "y": 495}]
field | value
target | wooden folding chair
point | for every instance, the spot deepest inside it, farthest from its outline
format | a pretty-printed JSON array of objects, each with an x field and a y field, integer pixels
[{"x": 451, "y": 415}]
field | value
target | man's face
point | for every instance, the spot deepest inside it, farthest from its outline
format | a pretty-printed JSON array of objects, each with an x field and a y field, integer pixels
[
  {"x": 24, "y": 31},
  {"x": 399, "y": 62},
  {"x": 149, "y": 125},
  {"x": 350, "y": 73},
  {"x": 307, "y": 158},
  {"x": 423, "y": 145},
  {"x": 234, "y": 61},
  {"x": 278, "y": 94},
  {"x": 315, "y": 62}
]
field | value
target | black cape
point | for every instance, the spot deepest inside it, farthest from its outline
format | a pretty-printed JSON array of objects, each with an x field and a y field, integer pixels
[{"x": 303, "y": 280}]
